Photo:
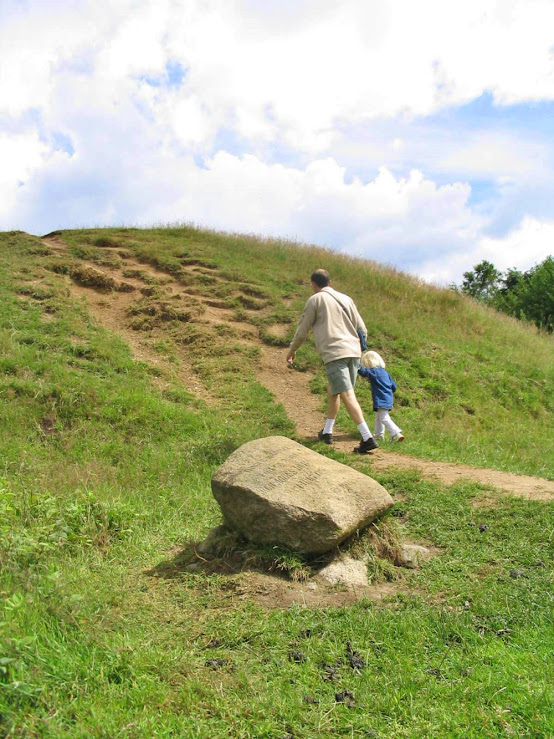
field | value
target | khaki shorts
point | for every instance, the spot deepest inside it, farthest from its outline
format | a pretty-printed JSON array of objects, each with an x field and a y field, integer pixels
[{"x": 342, "y": 374}]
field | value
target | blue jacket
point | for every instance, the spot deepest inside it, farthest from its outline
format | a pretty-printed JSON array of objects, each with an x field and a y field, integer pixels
[{"x": 382, "y": 386}]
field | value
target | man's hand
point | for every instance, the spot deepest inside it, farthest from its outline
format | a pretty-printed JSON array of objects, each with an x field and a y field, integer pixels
[{"x": 290, "y": 357}]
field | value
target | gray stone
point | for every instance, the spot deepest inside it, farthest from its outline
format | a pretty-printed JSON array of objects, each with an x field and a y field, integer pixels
[
  {"x": 346, "y": 571},
  {"x": 413, "y": 555},
  {"x": 275, "y": 491}
]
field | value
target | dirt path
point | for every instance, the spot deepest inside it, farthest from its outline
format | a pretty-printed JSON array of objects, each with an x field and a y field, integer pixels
[
  {"x": 289, "y": 386},
  {"x": 303, "y": 407}
]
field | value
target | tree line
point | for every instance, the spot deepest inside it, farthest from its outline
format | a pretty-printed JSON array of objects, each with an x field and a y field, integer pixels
[{"x": 526, "y": 295}]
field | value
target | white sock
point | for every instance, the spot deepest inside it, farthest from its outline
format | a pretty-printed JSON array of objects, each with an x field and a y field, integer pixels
[
  {"x": 363, "y": 428},
  {"x": 328, "y": 428}
]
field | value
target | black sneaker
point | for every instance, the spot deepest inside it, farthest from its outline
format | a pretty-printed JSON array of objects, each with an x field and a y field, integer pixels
[
  {"x": 326, "y": 438},
  {"x": 366, "y": 446}
]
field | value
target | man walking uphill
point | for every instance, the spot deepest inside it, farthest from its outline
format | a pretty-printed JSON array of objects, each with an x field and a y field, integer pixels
[{"x": 334, "y": 320}]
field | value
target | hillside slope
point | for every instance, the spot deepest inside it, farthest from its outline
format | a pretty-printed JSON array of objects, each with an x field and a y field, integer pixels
[
  {"x": 474, "y": 386},
  {"x": 145, "y": 302}
]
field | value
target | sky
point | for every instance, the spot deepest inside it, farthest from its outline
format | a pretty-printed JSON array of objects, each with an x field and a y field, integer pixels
[{"x": 417, "y": 134}]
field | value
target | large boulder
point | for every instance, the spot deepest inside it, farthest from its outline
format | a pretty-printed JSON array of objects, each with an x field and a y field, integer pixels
[{"x": 275, "y": 491}]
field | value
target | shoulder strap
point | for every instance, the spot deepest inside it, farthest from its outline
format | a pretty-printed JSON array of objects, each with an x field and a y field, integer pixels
[
  {"x": 361, "y": 335},
  {"x": 344, "y": 309}
]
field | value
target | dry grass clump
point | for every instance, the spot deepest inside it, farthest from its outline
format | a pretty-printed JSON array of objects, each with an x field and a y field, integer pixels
[
  {"x": 153, "y": 311},
  {"x": 221, "y": 304},
  {"x": 104, "y": 241},
  {"x": 250, "y": 303},
  {"x": 254, "y": 291},
  {"x": 90, "y": 277},
  {"x": 229, "y": 551},
  {"x": 139, "y": 274},
  {"x": 196, "y": 277},
  {"x": 187, "y": 261},
  {"x": 99, "y": 256},
  {"x": 38, "y": 292},
  {"x": 125, "y": 287},
  {"x": 98, "y": 280},
  {"x": 381, "y": 544}
]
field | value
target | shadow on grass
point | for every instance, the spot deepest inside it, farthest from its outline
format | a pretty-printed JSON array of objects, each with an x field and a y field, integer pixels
[
  {"x": 241, "y": 559},
  {"x": 188, "y": 560},
  {"x": 240, "y": 576}
]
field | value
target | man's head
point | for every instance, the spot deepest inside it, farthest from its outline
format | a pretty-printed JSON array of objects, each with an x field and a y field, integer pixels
[{"x": 320, "y": 278}]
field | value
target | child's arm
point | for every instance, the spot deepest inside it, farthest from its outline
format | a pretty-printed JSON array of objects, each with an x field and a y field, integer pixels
[
  {"x": 392, "y": 384},
  {"x": 364, "y": 372}
]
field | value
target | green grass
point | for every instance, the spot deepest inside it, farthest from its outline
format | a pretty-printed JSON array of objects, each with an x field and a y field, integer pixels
[{"x": 105, "y": 482}]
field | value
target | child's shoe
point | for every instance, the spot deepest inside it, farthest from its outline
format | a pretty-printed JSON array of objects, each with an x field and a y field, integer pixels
[{"x": 398, "y": 437}]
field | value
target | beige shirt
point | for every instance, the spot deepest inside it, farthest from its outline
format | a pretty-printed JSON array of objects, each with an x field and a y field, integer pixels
[{"x": 334, "y": 331}]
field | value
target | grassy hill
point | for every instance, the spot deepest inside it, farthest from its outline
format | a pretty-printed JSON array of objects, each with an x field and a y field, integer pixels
[{"x": 106, "y": 460}]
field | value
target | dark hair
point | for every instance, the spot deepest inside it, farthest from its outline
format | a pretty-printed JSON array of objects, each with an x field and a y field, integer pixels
[{"x": 321, "y": 277}]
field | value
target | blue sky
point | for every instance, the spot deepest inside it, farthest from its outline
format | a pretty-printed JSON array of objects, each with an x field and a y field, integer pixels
[{"x": 415, "y": 134}]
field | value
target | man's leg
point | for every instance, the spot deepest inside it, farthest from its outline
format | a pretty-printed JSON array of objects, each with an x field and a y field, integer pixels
[
  {"x": 351, "y": 404},
  {"x": 333, "y": 405},
  {"x": 355, "y": 412},
  {"x": 342, "y": 375}
]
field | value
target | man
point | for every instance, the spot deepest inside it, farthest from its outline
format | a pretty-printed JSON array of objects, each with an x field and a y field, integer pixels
[{"x": 334, "y": 320}]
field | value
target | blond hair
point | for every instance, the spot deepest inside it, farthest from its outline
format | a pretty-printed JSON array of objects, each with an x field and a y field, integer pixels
[{"x": 372, "y": 359}]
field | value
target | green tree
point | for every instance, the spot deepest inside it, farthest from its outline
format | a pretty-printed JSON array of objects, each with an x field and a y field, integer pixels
[
  {"x": 482, "y": 282},
  {"x": 508, "y": 298},
  {"x": 536, "y": 295},
  {"x": 525, "y": 295}
]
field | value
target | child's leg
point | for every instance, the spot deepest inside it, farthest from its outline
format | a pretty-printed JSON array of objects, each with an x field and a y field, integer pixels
[
  {"x": 389, "y": 424},
  {"x": 379, "y": 427}
]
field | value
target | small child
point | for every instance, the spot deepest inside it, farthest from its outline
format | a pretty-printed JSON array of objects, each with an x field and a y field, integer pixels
[{"x": 382, "y": 389}]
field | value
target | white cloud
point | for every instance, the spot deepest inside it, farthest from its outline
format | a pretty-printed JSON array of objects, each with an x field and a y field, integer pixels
[
  {"x": 396, "y": 220},
  {"x": 21, "y": 155},
  {"x": 135, "y": 42},
  {"x": 388, "y": 219},
  {"x": 355, "y": 60},
  {"x": 530, "y": 243},
  {"x": 293, "y": 76},
  {"x": 525, "y": 246},
  {"x": 497, "y": 156},
  {"x": 332, "y": 61}
]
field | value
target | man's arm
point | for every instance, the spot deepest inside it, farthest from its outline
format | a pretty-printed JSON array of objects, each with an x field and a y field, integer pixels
[{"x": 303, "y": 329}]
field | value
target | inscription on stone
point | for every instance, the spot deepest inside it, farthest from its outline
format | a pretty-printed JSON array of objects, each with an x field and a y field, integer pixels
[{"x": 275, "y": 491}]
